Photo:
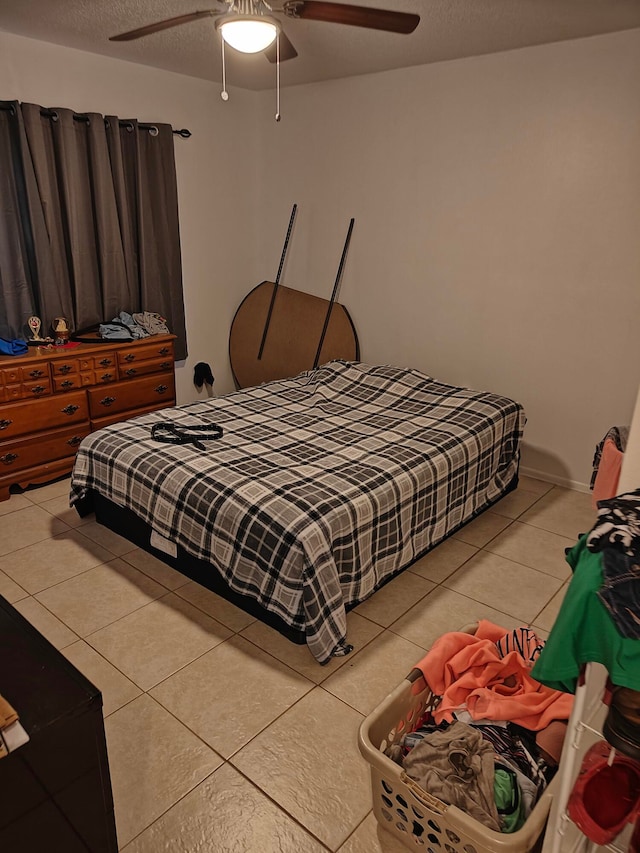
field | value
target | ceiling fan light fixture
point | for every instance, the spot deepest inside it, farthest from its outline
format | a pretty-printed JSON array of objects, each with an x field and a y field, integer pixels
[{"x": 248, "y": 33}]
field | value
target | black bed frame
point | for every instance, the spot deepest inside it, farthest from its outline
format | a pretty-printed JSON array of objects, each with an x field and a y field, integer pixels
[{"x": 126, "y": 523}]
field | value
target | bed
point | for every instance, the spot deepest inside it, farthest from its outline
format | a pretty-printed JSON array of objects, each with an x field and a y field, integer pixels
[{"x": 321, "y": 489}]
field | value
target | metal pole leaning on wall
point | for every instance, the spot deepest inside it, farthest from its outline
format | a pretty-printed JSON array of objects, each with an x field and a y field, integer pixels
[
  {"x": 333, "y": 295},
  {"x": 277, "y": 282}
]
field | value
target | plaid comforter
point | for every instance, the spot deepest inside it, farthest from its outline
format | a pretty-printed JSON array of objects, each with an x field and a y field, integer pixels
[{"x": 322, "y": 486}]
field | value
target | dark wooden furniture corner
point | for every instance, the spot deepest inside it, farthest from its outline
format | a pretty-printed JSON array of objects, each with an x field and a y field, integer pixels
[{"x": 55, "y": 790}]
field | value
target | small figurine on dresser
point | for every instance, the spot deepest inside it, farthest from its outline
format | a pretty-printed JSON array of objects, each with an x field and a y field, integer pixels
[
  {"x": 35, "y": 324},
  {"x": 61, "y": 330},
  {"x": 36, "y": 339}
]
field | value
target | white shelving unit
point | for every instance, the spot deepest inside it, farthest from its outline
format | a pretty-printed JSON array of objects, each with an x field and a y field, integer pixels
[{"x": 584, "y": 729}]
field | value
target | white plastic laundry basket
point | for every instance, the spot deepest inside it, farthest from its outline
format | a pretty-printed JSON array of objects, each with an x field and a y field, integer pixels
[{"x": 414, "y": 816}]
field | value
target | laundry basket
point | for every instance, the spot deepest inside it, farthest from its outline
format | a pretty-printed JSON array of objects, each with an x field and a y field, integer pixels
[{"x": 416, "y": 818}]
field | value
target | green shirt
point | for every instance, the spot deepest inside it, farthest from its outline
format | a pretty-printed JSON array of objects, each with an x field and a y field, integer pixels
[{"x": 584, "y": 632}]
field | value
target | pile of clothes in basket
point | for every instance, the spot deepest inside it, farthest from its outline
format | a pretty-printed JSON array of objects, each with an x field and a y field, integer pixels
[{"x": 490, "y": 741}]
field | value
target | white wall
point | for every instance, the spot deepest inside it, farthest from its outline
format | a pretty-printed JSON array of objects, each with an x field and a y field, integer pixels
[
  {"x": 215, "y": 184},
  {"x": 497, "y": 207}
]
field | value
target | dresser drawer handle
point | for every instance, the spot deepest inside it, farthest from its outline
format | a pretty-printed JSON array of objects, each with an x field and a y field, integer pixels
[
  {"x": 165, "y": 365},
  {"x": 104, "y": 362},
  {"x": 38, "y": 389},
  {"x": 107, "y": 401},
  {"x": 160, "y": 389},
  {"x": 75, "y": 441},
  {"x": 36, "y": 373},
  {"x": 70, "y": 409},
  {"x": 65, "y": 368},
  {"x": 107, "y": 377},
  {"x": 4, "y": 424},
  {"x": 129, "y": 357},
  {"x": 165, "y": 351},
  {"x": 68, "y": 383},
  {"x": 131, "y": 372},
  {"x": 8, "y": 458}
]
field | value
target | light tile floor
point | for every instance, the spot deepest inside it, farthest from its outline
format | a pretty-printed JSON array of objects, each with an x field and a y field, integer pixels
[{"x": 223, "y": 737}]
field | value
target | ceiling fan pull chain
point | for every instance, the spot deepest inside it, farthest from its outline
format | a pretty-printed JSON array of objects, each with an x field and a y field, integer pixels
[
  {"x": 278, "y": 76},
  {"x": 224, "y": 94}
]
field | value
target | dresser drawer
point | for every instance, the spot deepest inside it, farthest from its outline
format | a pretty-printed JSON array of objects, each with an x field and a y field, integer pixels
[
  {"x": 26, "y": 452},
  {"x": 31, "y": 415},
  {"x": 31, "y": 373},
  {"x": 36, "y": 387},
  {"x": 10, "y": 375},
  {"x": 102, "y": 375},
  {"x": 28, "y": 390},
  {"x": 80, "y": 363},
  {"x": 134, "y": 394},
  {"x": 65, "y": 368},
  {"x": 84, "y": 378},
  {"x": 142, "y": 368},
  {"x": 13, "y": 392},
  {"x": 35, "y": 371},
  {"x": 101, "y": 361},
  {"x": 162, "y": 350},
  {"x": 70, "y": 382}
]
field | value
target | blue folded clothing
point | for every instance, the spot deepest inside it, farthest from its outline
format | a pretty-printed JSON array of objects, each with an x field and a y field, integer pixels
[
  {"x": 115, "y": 331},
  {"x": 14, "y": 347},
  {"x": 122, "y": 328}
]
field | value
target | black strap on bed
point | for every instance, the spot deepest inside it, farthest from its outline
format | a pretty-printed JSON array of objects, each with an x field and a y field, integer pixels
[{"x": 170, "y": 433}]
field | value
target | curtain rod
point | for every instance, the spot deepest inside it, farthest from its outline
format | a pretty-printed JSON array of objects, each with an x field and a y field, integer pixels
[{"x": 184, "y": 133}]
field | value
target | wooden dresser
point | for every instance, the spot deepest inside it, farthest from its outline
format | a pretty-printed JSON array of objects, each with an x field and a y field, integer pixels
[{"x": 51, "y": 398}]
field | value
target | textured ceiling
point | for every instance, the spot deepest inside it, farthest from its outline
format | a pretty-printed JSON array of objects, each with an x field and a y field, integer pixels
[{"x": 448, "y": 29}]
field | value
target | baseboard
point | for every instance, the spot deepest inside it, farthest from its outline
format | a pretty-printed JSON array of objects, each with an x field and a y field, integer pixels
[{"x": 557, "y": 481}]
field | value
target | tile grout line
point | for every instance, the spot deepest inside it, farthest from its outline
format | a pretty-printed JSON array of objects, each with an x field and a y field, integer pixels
[
  {"x": 70, "y": 578},
  {"x": 227, "y": 760}
]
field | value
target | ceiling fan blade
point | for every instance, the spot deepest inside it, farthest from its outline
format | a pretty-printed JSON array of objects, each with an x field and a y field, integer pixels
[
  {"x": 355, "y": 16},
  {"x": 164, "y": 25},
  {"x": 287, "y": 50}
]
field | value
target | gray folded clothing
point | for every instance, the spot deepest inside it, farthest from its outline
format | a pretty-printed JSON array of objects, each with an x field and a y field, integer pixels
[
  {"x": 152, "y": 323},
  {"x": 115, "y": 331},
  {"x": 457, "y": 766}
]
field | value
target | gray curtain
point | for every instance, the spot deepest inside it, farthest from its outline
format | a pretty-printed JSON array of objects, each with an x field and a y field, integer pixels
[
  {"x": 103, "y": 214},
  {"x": 16, "y": 256},
  {"x": 156, "y": 256}
]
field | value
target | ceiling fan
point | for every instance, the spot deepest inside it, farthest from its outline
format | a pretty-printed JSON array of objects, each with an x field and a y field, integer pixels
[{"x": 253, "y": 20}]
